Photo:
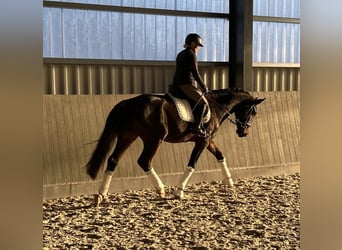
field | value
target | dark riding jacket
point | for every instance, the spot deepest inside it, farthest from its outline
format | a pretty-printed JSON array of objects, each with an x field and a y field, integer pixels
[{"x": 187, "y": 69}]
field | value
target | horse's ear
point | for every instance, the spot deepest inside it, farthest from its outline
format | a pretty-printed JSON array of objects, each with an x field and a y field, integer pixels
[{"x": 258, "y": 101}]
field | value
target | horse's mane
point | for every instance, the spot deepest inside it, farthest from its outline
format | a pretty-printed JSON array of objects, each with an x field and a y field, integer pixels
[{"x": 225, "y": 95}]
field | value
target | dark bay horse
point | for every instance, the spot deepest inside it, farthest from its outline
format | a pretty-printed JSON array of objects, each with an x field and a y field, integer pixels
[{"x": 154, "y": 119}]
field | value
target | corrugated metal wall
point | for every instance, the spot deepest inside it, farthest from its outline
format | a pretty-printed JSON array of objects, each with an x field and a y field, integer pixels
[
  {"x": 121, "y": 77},
  {"x": 276, "y": 78},
  {"x": 70, "y": 123},
  {"x": 71, "y": 77}
]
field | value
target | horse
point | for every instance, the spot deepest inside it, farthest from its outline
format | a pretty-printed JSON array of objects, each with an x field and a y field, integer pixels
[{"x": 154, "y": 118}]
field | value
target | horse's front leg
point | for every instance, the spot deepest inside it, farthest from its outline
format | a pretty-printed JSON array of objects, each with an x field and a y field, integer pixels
[
  {"x": 221, "y": 160},
  {"x": 200, "y": 145}
]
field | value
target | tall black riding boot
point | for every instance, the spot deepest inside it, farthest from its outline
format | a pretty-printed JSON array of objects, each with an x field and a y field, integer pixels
[{"x": 197, "y": 125}]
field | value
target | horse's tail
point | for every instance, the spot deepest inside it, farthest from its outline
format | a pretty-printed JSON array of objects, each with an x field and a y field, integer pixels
[{"x": 103, "y": 146}]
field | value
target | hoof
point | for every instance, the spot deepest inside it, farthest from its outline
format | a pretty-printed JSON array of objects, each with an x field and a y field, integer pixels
[
  {"x": 234, "y": 194},
  {"x": 98, "y": 199},
  {"x": 179, "y": 194},
  {"x": 162, "y": 193},
  {"x": 229, "y": 182}
]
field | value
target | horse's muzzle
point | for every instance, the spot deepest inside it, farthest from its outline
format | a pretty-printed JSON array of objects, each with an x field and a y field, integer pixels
[{"x": 242, "y": 132}]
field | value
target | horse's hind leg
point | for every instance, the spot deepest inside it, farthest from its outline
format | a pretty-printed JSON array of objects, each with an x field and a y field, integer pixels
[
  {"x": 145, "y": 159},
  {"x": 123, "y": 142}
]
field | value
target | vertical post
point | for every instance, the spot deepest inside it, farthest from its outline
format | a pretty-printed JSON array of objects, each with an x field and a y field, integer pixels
[{"x": 240, "y": 44}]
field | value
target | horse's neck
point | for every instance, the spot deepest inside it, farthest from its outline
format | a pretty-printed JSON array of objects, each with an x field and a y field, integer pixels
[
  {"x": 238, "y": 98},
  {"x": 234, "y": 102},
  {"x": 234, "y": 99}
]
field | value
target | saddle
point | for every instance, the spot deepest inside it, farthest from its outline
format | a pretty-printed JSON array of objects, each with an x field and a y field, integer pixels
[{"x": 184, "y": 107}]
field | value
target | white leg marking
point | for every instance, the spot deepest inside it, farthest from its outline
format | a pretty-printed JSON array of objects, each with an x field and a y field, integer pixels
[
  {"x": 184, "y": 181},
  {"x": 227, "y": 177},
  {"x": 156, "y": 182},
  {"x": 106, "y": 183},
  {"x": 103, "y": 190}
]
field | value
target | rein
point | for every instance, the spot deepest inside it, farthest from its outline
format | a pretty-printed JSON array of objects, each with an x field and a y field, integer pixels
[{"x": 227, "y": 112}]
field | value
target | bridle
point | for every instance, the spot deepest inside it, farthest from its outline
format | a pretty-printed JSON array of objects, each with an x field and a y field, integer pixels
[{"x": 245, "y": 124}]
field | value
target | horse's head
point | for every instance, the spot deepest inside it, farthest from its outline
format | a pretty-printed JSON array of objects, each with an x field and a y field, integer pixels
[
  {"x": 244, "y": 112},
  {"x": 239, "y": 102}
]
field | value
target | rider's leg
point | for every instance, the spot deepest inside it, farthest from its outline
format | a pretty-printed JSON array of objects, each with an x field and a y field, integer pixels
[
  {"x": 198, "y": 115},
  {"x": 201, "y": 103}
]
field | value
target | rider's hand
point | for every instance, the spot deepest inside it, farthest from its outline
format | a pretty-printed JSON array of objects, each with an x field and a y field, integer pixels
[{"x": 205, "y": 90}]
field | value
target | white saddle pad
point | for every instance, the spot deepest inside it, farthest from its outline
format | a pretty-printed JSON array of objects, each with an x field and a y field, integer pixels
[{"x": 184, "y": 110}]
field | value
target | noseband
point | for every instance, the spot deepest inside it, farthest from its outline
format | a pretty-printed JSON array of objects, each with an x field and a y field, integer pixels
[{"x": 245, "y": 124}]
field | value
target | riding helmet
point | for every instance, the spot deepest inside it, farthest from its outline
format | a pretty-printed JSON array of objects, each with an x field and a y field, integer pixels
[{"x": 193, "y": 37}]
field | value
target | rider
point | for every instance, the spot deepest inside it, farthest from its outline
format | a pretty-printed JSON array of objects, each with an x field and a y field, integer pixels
[{"x": 187, "y": 74}]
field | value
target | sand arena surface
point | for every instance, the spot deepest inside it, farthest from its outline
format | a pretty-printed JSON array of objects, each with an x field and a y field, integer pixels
[{"x": 264, "y": 215}]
